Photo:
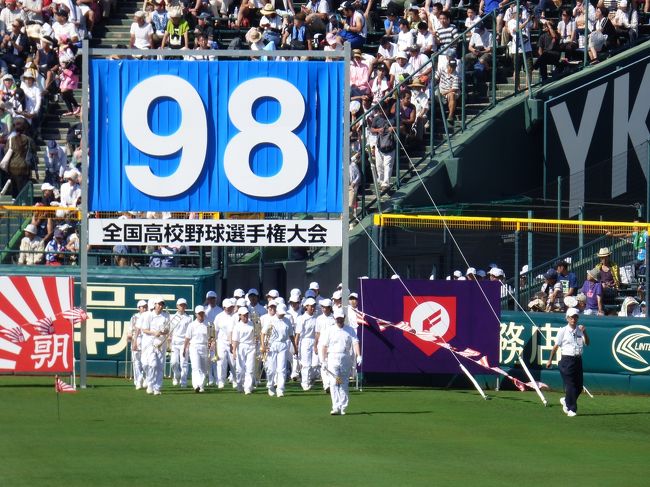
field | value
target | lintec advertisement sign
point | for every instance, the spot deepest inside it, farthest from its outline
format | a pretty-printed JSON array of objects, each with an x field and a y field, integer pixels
[{"x": 235, "y": 136}]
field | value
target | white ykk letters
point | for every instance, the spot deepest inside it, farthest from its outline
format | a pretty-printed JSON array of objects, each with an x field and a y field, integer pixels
[{"x": 191, "y": 138}]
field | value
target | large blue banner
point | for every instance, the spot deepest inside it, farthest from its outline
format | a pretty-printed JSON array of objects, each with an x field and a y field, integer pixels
[{"x": 236, "y": 136}]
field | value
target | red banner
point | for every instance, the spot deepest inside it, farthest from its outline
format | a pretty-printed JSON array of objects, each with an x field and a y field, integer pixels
[{"x": 36, "y": 324}]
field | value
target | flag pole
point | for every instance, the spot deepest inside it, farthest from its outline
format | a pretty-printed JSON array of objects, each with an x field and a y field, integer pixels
[
  {"x": 58, "y": 403},
  {"x": 363, "y": 328}
]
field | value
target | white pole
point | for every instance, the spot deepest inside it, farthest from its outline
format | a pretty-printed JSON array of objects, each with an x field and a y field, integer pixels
[
  {"x": 533, "y": 382},
  {"x": 473, "y": 380}
]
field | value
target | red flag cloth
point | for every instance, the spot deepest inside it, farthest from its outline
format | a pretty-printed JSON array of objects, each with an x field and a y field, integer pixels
[{"x": 61, "y": 386}]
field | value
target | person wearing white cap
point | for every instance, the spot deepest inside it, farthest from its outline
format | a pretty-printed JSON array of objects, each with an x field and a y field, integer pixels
[
  {"x": 265, "y": 320},
  {"x": 178, "y": 324},
  {"x": 293, "y": 313},
  {"x": 337, "y": 299},
  {"x": 212, "y": 309},
  {"x": 338, "y": 346},
  {"x": 275, "y": 335},
  {"x": 254, "y": 305},
  {"x": 457, "y": 275},
  {"x": 353, "y": 302},
  {"x": 471, "y": 274},
  {"x": 155, "y": 326},
  {"x": 571, "y": 340},
  {"x": 70, "y": 191},
  {"x": 238, "y": 293},
  {"x": 196, "y": 340},
  {"x": 323, "y": 324},
  {"x": 135, "y": 338},
  {"x": 55, "y": 163},
  {"x": 31, "y": 247},
  {"x": 243, "y": 347},
  {"x": 305, "y": 337},
  {"x": 223, "y": 326}
]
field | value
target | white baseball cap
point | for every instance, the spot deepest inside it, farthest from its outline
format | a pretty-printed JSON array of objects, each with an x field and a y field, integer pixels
[
  {"x": 310, "y": 301},
  {"x": 282, "y": 309},
  {"x": 572, "y": 312},
  {"x": 457, "y": 274},
  {"x": 180, "y": 301},
  {"x": 240, "y": 302},
  {"x": 470, "y": 270},
  {"x": 239, "y": 293},
  {"x": 337, "y": 295},
  {"x": 243, "y": 310},
  {"x": 211, "y": 294},
  {"x": 338, "y": 313},
  {"x": 395, "y": 276},
  {"x": 295, "y": 292},
  {"x": 158, "y": 300},
  {"x": 199, "y": 309},
  {"x": 226, "y": 303},
  {"x": 273, "y": 293},
  {"x": 353, "y": 296},
  {"x": 496, "y": 272},
  {"x": 271, "y": 302},
  {"x": 142, "y": 303},
  {"x": 294, "y": 299},
  {"x": 314, "y": 285},
  {"x": 326, "y": 303}
]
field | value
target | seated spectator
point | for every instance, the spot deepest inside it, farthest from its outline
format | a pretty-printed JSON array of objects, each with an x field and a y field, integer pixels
[
  {"x": 31, "y": 247},
  {"x": 354, "y": 29},
  {"x": 70, "y": 191},
  {"x": 406, "y": 116},
  {"x": 626, "y": 23},
  {"x": 33, "y": 99},
  {"x": 471, "y": 20},
  {"x": 449, "y": 88},
  {"x": 73, "y": 246},
  {"x": 271, "y": 25},
  {"x": 205, "y": 25},
  {"x": 386, "y": 51},
  {"x": 593, "y": 292},
  {"x": 548, "y": 52},
  {"x": 391, "y": 25},
  {"x": 56, "y": 248},
  {"x": 163, "y": 256},
  {"x": 425, "y": 39},
  {"x": 567, "y": 279},
  {"x": 48, "y": 195},
  {"x": 297, "y": 36},
  {"x": 479, "y": 58},
  {"x": 603, "y": 35},
  {"x": 406, "y": 36},
  {"x": 9, "y": 13},
  {"x": 630, "y": 308},
  {"x": 359, "y": 74},
  {"x": 400, "y": 69},
  {"x": 177, "y": 32},
  {"x": 316, "y": 9},
  {"x": 201, "y": 42},
  {"x": 434, "y": 18},
  {"x": 141, "y": 33},
  {"x": 159, "y": 19},
  {"x": 47, "y": 63},
  {"x": 64, "y": 30},
  {"x": 418, "y": 62},
  {"x": 15, "y": 46},
  {"x": 332, "y": 43},
  {"x": 553, "y": 289},
  {"x": 566, "y": 29},
  {"x": 380, "y": 84},
  {"x": 422, "y": 103},
  {"x": 608, "y": 274}
]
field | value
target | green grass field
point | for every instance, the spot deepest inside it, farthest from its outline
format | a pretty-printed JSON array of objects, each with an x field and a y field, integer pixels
[{"x": 112, "y": 435}]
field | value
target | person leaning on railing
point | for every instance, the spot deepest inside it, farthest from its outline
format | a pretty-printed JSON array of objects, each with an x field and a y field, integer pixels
[{"x": 31, "y": 247}]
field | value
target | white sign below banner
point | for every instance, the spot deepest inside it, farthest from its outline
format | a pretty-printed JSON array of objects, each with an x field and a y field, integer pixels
[{"x": 239, "y": 233}]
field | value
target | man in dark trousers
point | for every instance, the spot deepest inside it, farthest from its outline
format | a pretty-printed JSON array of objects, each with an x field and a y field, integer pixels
[{"x": 571, "y": 339}]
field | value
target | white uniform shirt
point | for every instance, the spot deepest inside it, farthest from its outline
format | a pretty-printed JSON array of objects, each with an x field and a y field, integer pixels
[
  {"x": 244, "y": 333},
  {"x": 143, "y": 324},
  {"x": 306, "y": 326},
  {"x": 211, "y": 313},
  {"x": 180, "y": 327},
  {"x": 155, "y": 323},
  {"x": 340, "y": 340},
  {"x": 258, "y": 308},
  {"x": 323, "y": 324},
  {"x": 197, "y": 333},
  {"x": 280, "y": 330},
  {"x": 224, "y": 323},
  {"x": 570, "y": 340}
]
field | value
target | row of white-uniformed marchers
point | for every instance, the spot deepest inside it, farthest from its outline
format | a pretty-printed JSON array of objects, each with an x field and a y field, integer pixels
[{"x": 239, "y": 341}]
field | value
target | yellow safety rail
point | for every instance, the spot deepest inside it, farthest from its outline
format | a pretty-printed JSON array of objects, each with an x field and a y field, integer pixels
[{"x": 505, "y": 224}]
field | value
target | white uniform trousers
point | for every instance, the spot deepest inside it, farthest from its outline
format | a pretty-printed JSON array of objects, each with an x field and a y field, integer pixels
[
  {"x": 276, "y": 366},
  {"x": 306, "y": 358},
  {"x": 340, "y": 365},
  {"x": 179, "y": 365},
  {"x": 138, "y": 372},
  {"x": 212, "y": 368},
  {"x": 245, "y": 367},
  {"x": 293, "y": 357},
  {"x": 198, "y": 359},
  {"x": 325, "y": 377},
  {"x": 225, "y": 361},
  {"x": 155, "y": 363}
]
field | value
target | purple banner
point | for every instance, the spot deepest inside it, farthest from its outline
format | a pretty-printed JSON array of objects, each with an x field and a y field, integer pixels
[{"x": 458, "y": 311}]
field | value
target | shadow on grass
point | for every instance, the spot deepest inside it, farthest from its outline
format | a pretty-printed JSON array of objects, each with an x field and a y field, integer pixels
[{"x": 370, "y": 413}]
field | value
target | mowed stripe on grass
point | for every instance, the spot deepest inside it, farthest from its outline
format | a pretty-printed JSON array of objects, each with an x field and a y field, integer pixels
[{"x": 111, "y": 434}]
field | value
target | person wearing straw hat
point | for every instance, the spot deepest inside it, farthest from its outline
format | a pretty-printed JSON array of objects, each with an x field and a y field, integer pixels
[
  {"x": 609, "y": 275},
  {"x": 592, "y": 290},
  {"x": 243, "y": 344},
  {"x": 338, "y": 345},
  {"x": 196, "y": 341},
  {"x": 31, "y": 247},
  {"x": 271, "y": 25},
  {"x": 141, "y": 32},
  {"x": 570, "y": 340}
]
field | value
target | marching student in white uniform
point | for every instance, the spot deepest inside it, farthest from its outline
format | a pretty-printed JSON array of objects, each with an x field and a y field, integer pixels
[
  {"x": 243, "y": 344},
  {"x": 135, "y": 337},
  {"x": 254, "y": 305},
  {"x": 156, "y": 327},
  {"x": 323, "y": 323},
  {"x": 337, "y": 347},
  {"x": 211, "y": 307},
  {"x": 223, "y": 326},
  {"x": 276, "y": 333},
  {"x": 305, "y": 337},
  {"x": 196, "y": 340},
  {"x": 293, "y": 313},
  {"x": 178, "y": 327}
]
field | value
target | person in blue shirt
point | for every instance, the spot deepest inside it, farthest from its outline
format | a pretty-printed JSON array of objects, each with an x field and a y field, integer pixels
[{"x": 568, "y": 279}]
